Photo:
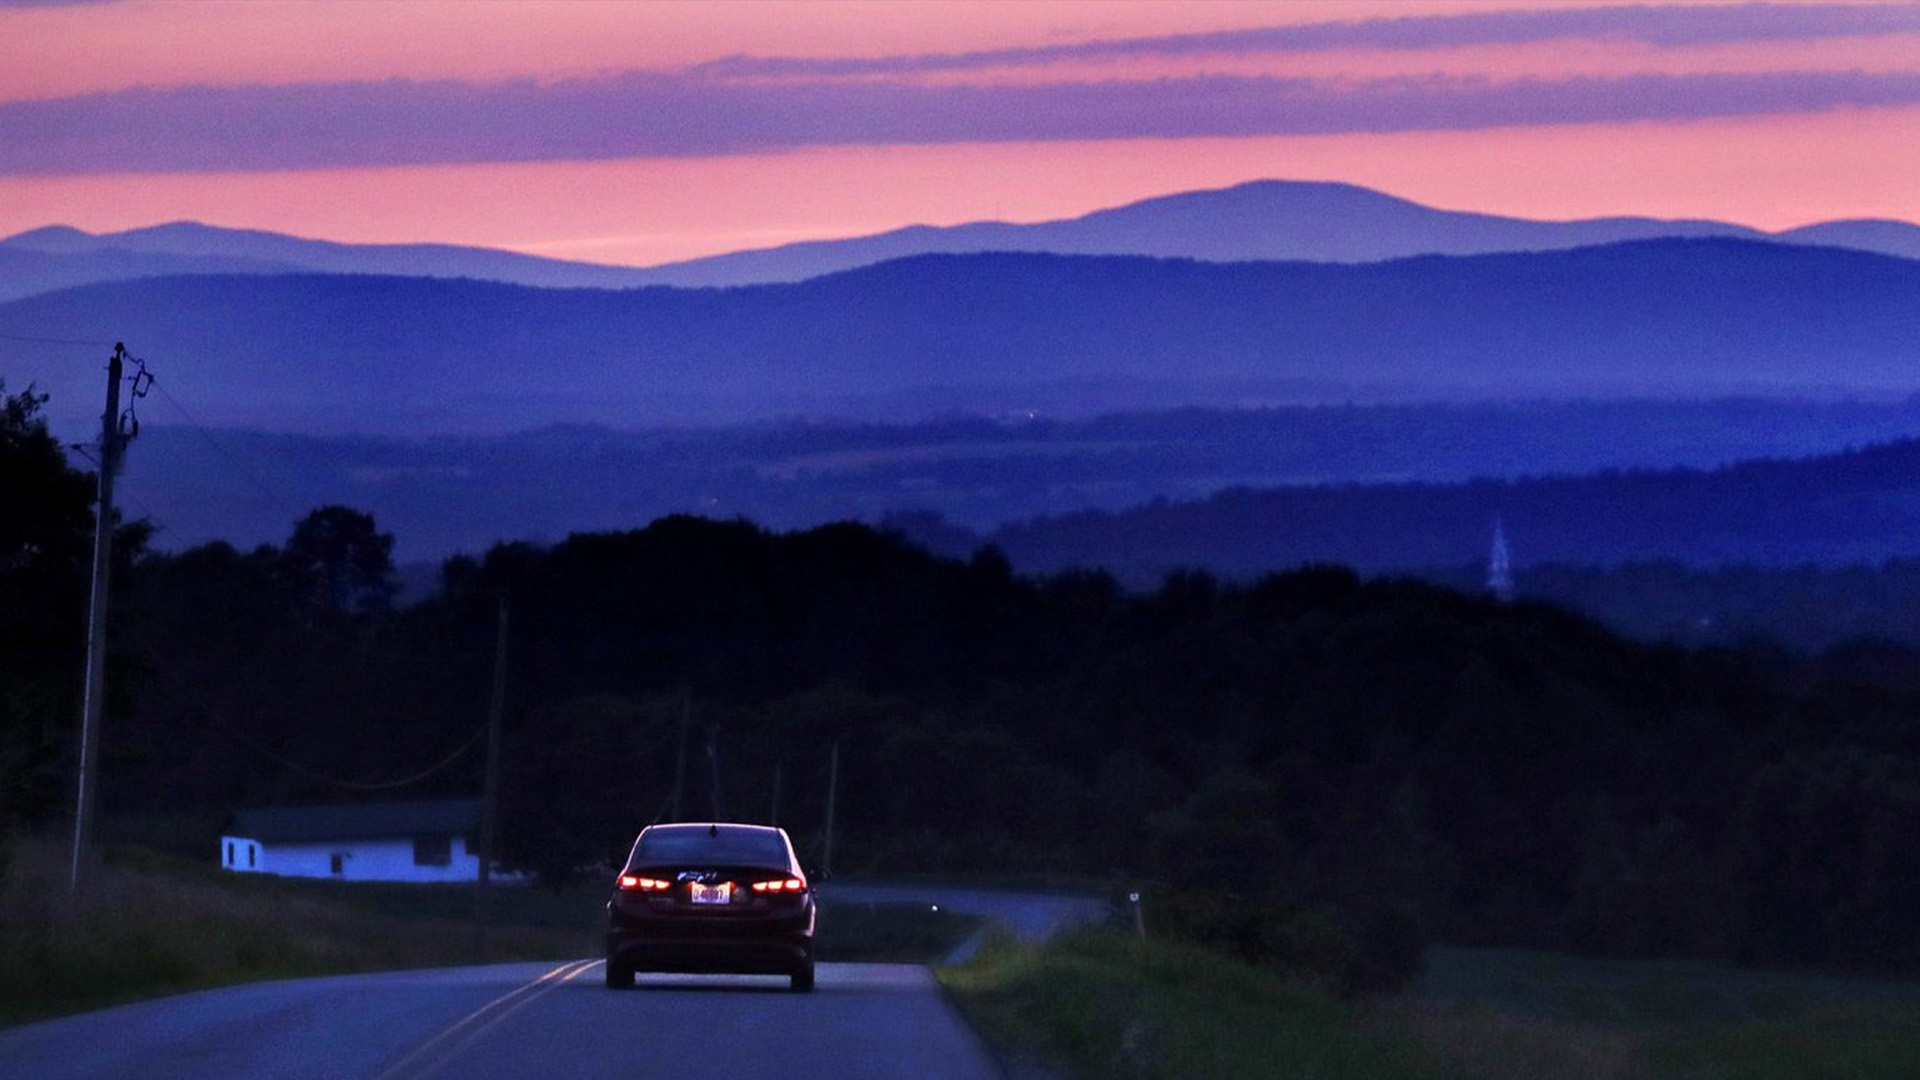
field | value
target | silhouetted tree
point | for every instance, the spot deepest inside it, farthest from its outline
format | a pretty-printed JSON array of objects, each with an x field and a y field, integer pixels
[
  {"x": 340, "y": 560},
  {"x": 46, "y": 536}
]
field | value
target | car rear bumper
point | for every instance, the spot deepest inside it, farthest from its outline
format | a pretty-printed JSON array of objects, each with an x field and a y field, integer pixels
[
  {"x": 773, "y": 946},
  {"x": 768, "y": 957}
]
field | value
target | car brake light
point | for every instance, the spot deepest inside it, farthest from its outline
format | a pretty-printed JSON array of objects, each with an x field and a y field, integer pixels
[
  {"x": 780, "y": 885},
  {"x": 644, "y": 884}
]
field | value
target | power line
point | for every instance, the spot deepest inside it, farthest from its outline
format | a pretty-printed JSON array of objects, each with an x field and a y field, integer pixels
[
  {"x": 58, "y": 341},
  {"x": 356, "y": 785},
  {"x": 662, "y": 812},
  {"x": 233, "y": 459},
  {"x": 199, "y": 704}
]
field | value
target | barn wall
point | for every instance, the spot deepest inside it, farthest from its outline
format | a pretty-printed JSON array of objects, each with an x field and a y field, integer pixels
[
  {"x": 365, "y": 860},
  {"x": 239, "y": 854}
]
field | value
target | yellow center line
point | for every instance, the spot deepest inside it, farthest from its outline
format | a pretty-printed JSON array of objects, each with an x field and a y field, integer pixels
[{"x": 437, "y": 1049}]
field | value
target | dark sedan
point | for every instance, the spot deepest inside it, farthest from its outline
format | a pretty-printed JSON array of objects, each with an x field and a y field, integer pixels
[{"x": 711, "y": 898}]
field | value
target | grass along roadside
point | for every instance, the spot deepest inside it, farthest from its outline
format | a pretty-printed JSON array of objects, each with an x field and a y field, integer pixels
[
  {"x": 1101, "y": 1004},
  {"x": 1097, "y": 1003}
]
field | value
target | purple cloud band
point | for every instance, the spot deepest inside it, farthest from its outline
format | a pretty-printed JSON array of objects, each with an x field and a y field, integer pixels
[
  {"x": 654, "y": 115},
  {"x": 1670, "y": 25}
]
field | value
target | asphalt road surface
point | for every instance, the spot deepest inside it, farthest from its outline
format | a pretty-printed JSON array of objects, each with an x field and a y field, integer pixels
[{"x": 538, "y": 1021}]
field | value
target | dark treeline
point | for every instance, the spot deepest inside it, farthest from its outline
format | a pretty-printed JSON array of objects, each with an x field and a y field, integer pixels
[{"x": 1383, "y": 763}]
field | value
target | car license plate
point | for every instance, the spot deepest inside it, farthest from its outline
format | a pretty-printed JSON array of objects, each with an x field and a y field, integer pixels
[{"x": 713, "y": 894}]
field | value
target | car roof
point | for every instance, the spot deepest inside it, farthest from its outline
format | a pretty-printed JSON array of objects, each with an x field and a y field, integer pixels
[
  {"x": 760, "y": 837},
  {"x": 704, "y": 826}
]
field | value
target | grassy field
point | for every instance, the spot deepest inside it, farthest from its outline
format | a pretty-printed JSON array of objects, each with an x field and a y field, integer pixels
[
  {"x": 1104, "y": 1005},
  {"x": 147, "y": 923}
]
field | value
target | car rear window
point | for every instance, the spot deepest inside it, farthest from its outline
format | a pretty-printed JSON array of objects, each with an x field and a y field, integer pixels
[{"x": 744, "y": 847}]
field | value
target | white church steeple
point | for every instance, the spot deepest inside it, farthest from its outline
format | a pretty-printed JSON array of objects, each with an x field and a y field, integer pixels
[{"x": 1500, "y": 565}]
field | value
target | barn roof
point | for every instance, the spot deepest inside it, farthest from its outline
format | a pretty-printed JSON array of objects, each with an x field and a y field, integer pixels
[{"x": 357, "y": 821}]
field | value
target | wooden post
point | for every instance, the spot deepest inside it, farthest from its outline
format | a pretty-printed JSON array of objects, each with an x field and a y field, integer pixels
[
  {"x": 833, "y": 791},
  {"x": 680, "y": 755},
  {"x": 489, "y": 812}
]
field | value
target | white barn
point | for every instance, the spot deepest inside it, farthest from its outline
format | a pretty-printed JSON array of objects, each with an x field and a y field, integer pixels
[{"x": 418, "y": 841}]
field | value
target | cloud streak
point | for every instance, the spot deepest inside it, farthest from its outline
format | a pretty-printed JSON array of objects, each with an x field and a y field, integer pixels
[
  {"x": 1669, "y": 25},
  {"x": 653, "y": 115}
]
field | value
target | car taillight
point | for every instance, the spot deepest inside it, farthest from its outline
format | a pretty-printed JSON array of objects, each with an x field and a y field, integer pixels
[
  {"x": 644, "y": 884},
  {"x": 780, "y": 885}
]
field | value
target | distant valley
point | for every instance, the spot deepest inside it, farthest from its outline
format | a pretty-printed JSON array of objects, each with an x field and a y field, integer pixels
[
  {"x": 1807, "y": 550},
  {"x": 955, "y": 483}
]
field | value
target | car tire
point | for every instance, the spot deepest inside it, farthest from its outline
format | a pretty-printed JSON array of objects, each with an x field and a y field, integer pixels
[
  {"x": 802, "y": 979},
  {"x": 619, "y": 976}
]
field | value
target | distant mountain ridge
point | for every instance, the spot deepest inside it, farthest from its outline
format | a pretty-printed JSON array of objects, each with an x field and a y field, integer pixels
[
  {"x": 26, "y": 271},
  {"x": 59, "y": 256},
  {"x": 933, "y": 333},
  {"x": 1264, "y": 220}
]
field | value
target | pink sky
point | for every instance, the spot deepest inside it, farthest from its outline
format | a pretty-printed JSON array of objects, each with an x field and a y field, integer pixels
[
  {"x": 1824, "y": 125},
  {"x": 177, "y": 42}
]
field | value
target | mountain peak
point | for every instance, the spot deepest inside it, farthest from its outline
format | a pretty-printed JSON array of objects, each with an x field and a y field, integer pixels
[
  {"x": 190, "y": 228},
  {"x": 1272, "y": 187},
  {"x": 1267, "y": 195},
  {"x": 50, "y": 238}
]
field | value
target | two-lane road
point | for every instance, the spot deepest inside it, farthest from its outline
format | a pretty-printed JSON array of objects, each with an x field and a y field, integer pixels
[{"x": 539, "y": 1021}]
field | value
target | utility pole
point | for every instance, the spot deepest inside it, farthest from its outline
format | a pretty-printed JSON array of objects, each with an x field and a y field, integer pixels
[
  {"x": 680, "y": 755},
  {"x": 773, "y": 810},
  {"x": 112, "y": 442},
  {"x": 713, "y": 761},
  {"x": 833, "y": 791},
  {"x": 489, "y": 811}
]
